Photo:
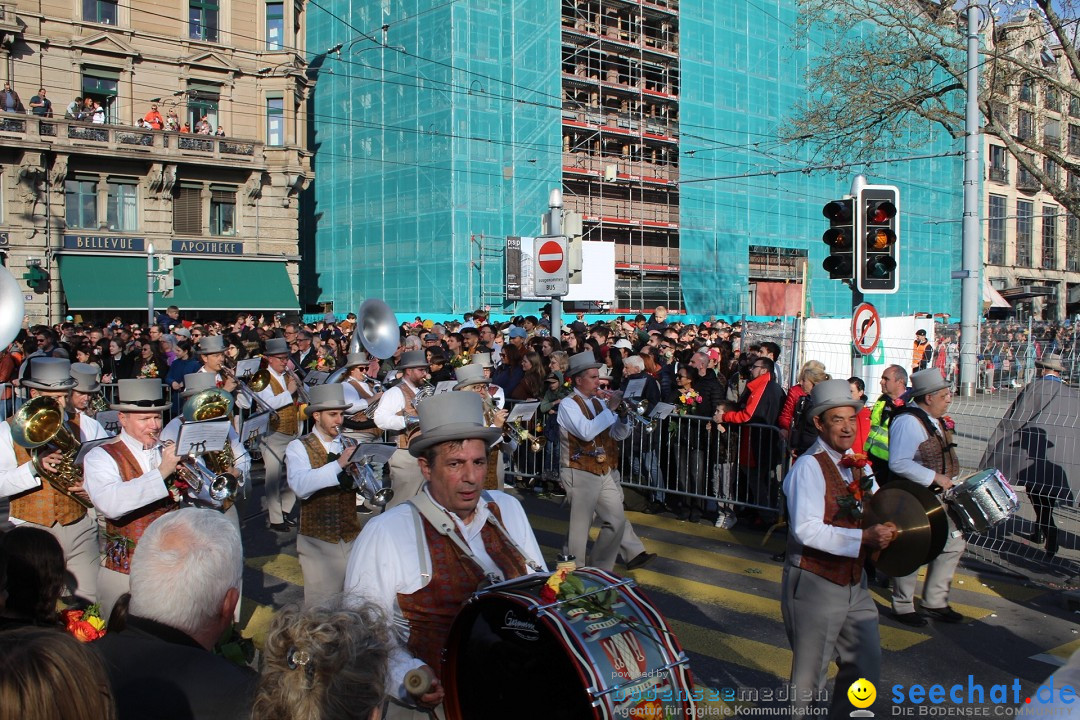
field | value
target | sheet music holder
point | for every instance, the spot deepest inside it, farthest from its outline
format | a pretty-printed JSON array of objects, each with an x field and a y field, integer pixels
[
  {"x": 247, "y": 367},
  {"x": 315, "y": 377},
  {"x": 110, "y": 420},
  {"x": 445, "y": 386},
  {"x": 255, "y": 427},
  {"x": 202, "y": 437},
  {"x": 373, "y": 452},
  {"x": 522, "y": 412},
  {"x": 634, "y": 388},
  {"x": 88, "y": 446},
  {"x": 661, "y": 411}
]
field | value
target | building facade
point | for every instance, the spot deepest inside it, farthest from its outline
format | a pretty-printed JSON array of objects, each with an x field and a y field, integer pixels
[
  {"x": 444, "y": 126},
  {"x": 85, "y": 194}
]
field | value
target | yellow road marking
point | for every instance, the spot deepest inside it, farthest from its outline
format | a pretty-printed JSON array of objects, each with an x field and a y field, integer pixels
[{"x": 283, "y": 567}]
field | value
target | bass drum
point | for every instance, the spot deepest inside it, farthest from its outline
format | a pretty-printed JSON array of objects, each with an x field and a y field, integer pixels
[{"x": 511, "y": 655}]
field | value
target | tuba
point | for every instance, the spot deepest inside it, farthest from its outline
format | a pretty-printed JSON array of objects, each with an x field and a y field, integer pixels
[{"x": 40, "y": 427}]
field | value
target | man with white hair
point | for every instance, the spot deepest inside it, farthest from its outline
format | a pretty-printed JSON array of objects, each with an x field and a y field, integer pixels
[{"x": 183, "y": 592}]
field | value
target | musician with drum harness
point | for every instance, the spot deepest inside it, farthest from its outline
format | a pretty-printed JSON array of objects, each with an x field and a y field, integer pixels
[
  {"x": 38, "y": 446},
  {"x": 421, "y": 560},
  {"x": 921, "y": 450}
]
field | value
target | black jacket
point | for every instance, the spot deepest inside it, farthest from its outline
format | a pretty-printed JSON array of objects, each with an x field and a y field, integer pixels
[{"x": 160, "y": 673}]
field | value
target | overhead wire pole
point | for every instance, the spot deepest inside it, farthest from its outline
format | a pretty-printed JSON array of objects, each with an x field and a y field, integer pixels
[{"x": 971, "y": 242}]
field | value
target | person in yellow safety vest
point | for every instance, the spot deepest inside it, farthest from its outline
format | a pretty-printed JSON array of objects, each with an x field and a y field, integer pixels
[{"x": 893, "y": 384}]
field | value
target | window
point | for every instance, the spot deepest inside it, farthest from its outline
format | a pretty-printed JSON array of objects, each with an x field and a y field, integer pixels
[
  {"x": 1052, "y": 134},
  {"x": 1072, "y": 243},
  {"x": 275, "y": 25},
  {"x": 1025, "y": 180},
  {"x": 1023, "y": 233},
  {"x": 1053, "y": 99},
  {"x": 1000, "y": 113},
  {"x": 203, "y": 20},
  {"x": 1049, "y": 237},
  {"x": 222, "y": 210},
  {"x": 102, "y": 84},
  {"x": 80, "y": 200},
  {"x": 999, "y": 164},
  {"x": 203, "y": 100},
  {"x": 100, "y": 11},
  {"x": 187, "y": 209},
  {"x": 1052, "y": 169},
  {"x": 122, "y": 208},
  {"x": 1074, "y": 139},
  {"x": 1074, "y": 106},
  {"x": 275, "y": 121},
  {"x": 1025, "y": 124},
  {"x": 996, "y": 223},
  {"x": 1027, "y": 90}
]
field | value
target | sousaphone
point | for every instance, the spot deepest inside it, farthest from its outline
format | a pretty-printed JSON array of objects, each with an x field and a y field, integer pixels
[{"x": 376, "y": 332}]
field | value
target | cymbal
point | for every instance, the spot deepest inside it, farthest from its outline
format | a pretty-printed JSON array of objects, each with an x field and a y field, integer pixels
[{"x": 920, "y": 521}]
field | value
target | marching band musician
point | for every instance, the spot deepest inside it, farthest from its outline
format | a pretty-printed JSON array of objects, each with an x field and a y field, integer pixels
[
  {"x": 358, "y": 393},
  {"x": 472, "y": 377},
  {"x": 34, "y": 501},
  {"x": 211, "y": 351},
  {"x": 87, "y": 385},
  {"x": 279, "y": 395},
  {"x": 396, "y": 404},
  {"x": 126, "y": 480},
  {"x": 423, "y": 559},
  {"x": 483, "y": 359},
  {"x": 588, "y": 431},
  {"x": 328, "y": 521}
]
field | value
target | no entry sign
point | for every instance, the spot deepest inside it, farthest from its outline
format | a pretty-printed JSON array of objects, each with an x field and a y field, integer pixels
[
  {"x": 865, "y": 329},
  {"x": 550, "y": 266}
]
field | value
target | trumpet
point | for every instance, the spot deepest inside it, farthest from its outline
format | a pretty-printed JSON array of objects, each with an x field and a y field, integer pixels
[
  {"x": 637, "y": 412},
  {"x": 520, "y": 432},
  {"x": 204, "y": 484},
  {"x": 364, "y": 481},
  {"x": 303, "y": 399},
  {"x": 97, "y": 404}
]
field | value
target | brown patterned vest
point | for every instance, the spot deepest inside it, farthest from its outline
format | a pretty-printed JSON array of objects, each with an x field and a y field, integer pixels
[
  {"x": 430, "y": 611},
  {"x": 574, "y": 446},
  {"x": 122, "y": 535},
  {"x": 491, "y": 479},
  {"x": 45, "y": 505},
  {"x": 330, "y": 514},
  {"x": 835, "y": 569},
  {"x": 366, "y": 394},
  {"x": 938, "y": 451},
  {"x": 406, "y": 436},
  {"x": 288, "y": 417}
]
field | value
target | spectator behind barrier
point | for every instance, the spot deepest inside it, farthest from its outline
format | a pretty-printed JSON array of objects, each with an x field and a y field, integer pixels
[{"x": 35, "y": 578}]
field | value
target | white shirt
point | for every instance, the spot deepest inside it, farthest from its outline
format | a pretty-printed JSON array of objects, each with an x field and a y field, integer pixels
[
  {"x": 280, "y": 400},
  {"x": 385, "y": 561},
  {"x": 906, "y": 434},
  {"x": 392, "y": 402},
  {"x": 304, "y": 480},
  {"x": 574, "y": 421},
  {"x": 352, "y": 396},
  {"x": 115, "y": 498},
  {"x": 15, "y": 478},
  {"x": 91, "y": 429},
  {"x": 241, "y": 457},
  {"x": 498, "y": 395},
  {"x": 804, "y": 486}
]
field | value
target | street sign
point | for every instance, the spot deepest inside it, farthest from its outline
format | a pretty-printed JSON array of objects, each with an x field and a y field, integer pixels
[
  {"x": 865, "y": 329},
  {"x": 551, "y": 271}
]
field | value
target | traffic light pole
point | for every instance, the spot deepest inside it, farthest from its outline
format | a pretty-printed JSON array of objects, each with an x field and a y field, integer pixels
[
  {"x": 857, "y": 184},
  {"x": 555, "y": 227},
  {"x": 151, "y": 282},
  {"x": 972, "y": 242}
]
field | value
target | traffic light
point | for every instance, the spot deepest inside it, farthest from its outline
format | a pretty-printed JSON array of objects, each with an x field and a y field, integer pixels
[
  {"x": 37, "y": 279},
  {"x": 166, "y": 275},
  {"x": 840, "y": 237},
  {"x": 878, "y": 268}
]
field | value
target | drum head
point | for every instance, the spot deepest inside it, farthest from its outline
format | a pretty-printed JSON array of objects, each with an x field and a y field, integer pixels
[{"x": 504, "y": 662}]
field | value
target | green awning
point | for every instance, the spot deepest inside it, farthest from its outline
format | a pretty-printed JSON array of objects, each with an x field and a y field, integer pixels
[{"x": 99, "y": 282}]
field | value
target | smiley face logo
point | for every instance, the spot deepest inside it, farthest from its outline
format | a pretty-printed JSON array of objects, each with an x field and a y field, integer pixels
[{"x": 862, "y": 693}]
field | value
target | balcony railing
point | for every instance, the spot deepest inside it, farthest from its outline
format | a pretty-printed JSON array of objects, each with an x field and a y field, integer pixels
[
  {"x": 124, "y": 140},
  {"x": 1026, "y": 181},
  {"x": 999, "y": 174}
]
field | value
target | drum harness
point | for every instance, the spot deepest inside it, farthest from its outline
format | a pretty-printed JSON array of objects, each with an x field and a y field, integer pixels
[{"x": 931, "y": 427}]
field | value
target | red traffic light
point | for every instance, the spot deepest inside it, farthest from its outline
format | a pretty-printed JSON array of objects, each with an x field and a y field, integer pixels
[
  {"x": 880, "y": 213},
  {"x": 839, "y": 211}
]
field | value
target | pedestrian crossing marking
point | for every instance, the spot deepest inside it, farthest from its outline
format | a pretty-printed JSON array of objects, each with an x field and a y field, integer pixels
[
  {"x": 741, "y": 651},
  {"x": 1058, "y": 656},
  {"x": 283, "y": 567},
  {"x": 256, "y": 625},
  {"x": 703, "y": 531},
  {"x": 970, "y": 612}
]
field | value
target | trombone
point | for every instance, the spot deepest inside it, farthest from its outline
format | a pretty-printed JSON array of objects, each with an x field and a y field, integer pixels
[{"x": 251, "y": 388}]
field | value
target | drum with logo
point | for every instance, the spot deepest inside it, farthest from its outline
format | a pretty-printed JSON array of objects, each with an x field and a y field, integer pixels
[
  {"x": 606, "y": 654},
  {"x": 982, "y": 501}
]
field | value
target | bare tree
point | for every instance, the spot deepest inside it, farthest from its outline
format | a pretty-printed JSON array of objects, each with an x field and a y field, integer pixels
[{"x": 893, "y": 75}]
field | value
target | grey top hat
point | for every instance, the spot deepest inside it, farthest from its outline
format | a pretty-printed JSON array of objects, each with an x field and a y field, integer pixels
[
  {"x": 196, "y": 382},
  {"x": 832, "y": 394},
  {"x": 483, "y": 359},
  {"x": 327, "y": 397},
  {"x": 1051, "y": 361},
  {"x": 412, "y": 359},
  {"x": 211, "y": 344},
  {"x": 140, "y": 395},
  {"x": 48, "y": 373},
  {"x": 86, "y": 377},
  {"x": 469, "y": 375},
  {"x": 451, "y": 416},
  {"x": 927, "y": 381},
  {"x": 581, "y": 362},
  {"x": 356, "y": 359},
  {"x": 276, "y": 346}
]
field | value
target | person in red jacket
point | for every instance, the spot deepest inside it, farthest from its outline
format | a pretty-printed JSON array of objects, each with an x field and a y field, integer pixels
[{"x": 154, "y": 119}]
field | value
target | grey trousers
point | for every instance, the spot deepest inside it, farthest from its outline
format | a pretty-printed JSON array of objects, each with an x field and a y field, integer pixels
[
  {"x": 631, "y": 545},
  {"x": 939, "y": 575},
  {"x": 280, "y": 498},
  {"x": 323, "y": 565},
  {"x": 405, "y": 477},
  {"x": 825, "y": 621},
  {"x": 602, "y": 496},
  {"x": 111, "y": 585},
  {"x": 82, "y": 554}
]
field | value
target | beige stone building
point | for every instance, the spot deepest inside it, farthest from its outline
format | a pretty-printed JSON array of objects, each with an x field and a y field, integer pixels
[{"x": 84, "y": 196}]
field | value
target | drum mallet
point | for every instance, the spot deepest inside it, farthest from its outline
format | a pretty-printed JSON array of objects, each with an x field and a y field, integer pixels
[{"x": 419, "y": 681}]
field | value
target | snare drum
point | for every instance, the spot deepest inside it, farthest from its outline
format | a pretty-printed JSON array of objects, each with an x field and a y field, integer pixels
[
  {"x": 982, "y": 501},
  {"x": 511, "y": 655}
]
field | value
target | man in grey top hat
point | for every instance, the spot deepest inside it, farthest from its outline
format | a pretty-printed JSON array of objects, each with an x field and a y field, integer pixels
[
  {"x": 87, "y": 386},
  {"x": 421, "y": 560},
  {"x": 831, "y": 615},
  {"x": 211, "y": 351},
  {"x": 34, "y": 501},
  {"x": 328, "y": 521},
  {"x": 280, "y": 395},
  {"x": 357, "y": 385},
  {"x": 483, "y": 359},
  {"x": 394, "y": 408},
  {"x": 921, "y": 449}
]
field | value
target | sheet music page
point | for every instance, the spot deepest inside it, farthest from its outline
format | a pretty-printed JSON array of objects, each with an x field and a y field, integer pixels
[
  {"x": 199, "y": 438},
  {"x": 522, "y": 412}
]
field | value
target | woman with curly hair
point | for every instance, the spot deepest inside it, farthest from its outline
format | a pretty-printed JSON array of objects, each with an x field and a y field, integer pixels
[{"x": 325, "y": 664}]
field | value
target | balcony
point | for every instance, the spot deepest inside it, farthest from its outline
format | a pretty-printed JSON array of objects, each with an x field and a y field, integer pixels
[
  {"x": 590, "y": 167},
  {"x": 999, "y": 174},
  {"x": 1027, "y": 182},
  {"x": 31, "y": 132}
]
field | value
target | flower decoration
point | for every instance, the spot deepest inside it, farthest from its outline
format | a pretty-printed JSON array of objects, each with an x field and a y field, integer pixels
[
  {"x": 84, "y": 625},
  {"x": 948, "y": 422},
  {"x": 854, "y": 460},
  {"x": 687, "y": 401},
  {"x": 851, "y": 502}
]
